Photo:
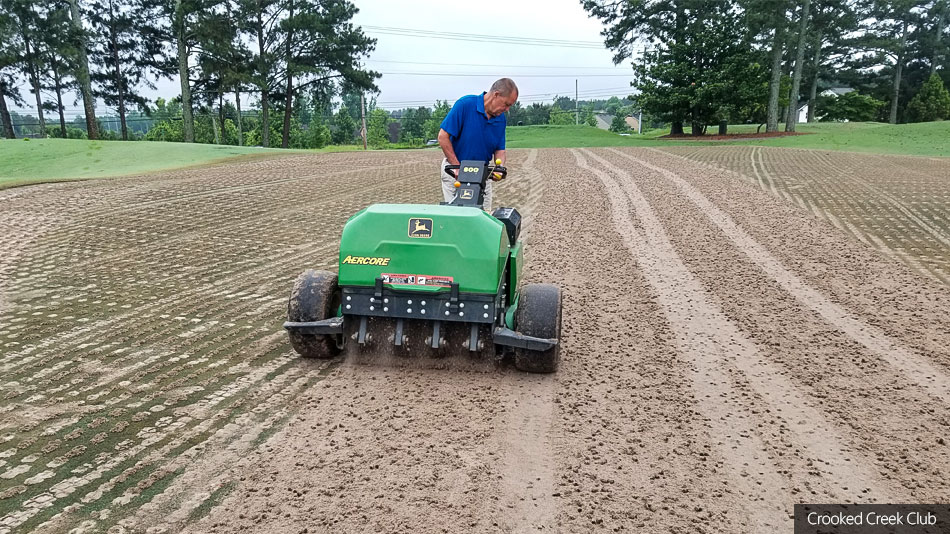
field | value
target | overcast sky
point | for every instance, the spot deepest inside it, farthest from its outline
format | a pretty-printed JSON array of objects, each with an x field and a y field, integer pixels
[
  {"x": 453, "y": 67},
  {"x": 563, "y": 20}
]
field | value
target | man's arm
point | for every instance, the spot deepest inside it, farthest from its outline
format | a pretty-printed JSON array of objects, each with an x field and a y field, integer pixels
[
  {"x": 499, "y": 155},
  {"x": 445, "y": 143}
]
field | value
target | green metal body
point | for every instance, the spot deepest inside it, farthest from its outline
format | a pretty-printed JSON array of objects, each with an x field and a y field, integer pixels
[{"x": 465, "y": 244}]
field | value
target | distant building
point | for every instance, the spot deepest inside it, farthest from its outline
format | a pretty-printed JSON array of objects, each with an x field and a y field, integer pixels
[
  {"x": 832, "y": 92},
  {"x": 633, "y": 123},
  {"x": 605, "y": 119}
]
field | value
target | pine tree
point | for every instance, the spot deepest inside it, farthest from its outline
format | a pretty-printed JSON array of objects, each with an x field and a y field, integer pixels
[
  {"x": 377, "y": 125},
  {"x": 932, "y": 103},
  {"x": 884, "y": 40},
  {"x": 26, "y": 20},
  {"x": 81, "y": 65},
  {"x": 792, "y": 116},
  {"x": 321, "y": 44},
  {"x": 56, "y": 45},
  {"x": 685, "y": 77},
  {"x": 9, "y": 57},
  {"x": 122, "y": 53},
  {"x": 344, "y": 127}
]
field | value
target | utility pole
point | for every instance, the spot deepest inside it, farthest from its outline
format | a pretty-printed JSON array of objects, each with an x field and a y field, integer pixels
[
  {"x": 363, "y": 116},
  {"x": 576, "y": 111}
]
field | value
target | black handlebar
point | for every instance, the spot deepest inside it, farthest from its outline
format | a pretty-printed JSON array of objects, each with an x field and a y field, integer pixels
[{"x": 497, "y": 168}]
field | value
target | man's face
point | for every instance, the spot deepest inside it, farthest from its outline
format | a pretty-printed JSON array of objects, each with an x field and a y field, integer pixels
[{"x": 499, "y": 103}]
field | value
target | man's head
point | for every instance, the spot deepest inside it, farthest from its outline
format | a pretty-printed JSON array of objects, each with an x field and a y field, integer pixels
[{"x": 500, "y": 97}]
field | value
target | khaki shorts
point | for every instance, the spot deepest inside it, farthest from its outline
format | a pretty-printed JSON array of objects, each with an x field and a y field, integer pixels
[{"x": 448, "y": 187}]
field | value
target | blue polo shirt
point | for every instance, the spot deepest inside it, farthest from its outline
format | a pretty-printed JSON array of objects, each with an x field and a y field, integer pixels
[{"x": 473, "y": 135}]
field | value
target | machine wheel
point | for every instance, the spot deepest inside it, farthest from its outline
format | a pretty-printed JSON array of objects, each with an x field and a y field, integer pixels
[
  {"x": 539, "y": 315},
  {"x": 315, "y": 297}
]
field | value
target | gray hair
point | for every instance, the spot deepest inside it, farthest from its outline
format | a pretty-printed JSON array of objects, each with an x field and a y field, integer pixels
[{"x": 504, "y": 86}]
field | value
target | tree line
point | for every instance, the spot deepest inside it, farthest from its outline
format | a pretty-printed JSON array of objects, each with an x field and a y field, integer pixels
[
  {"x": 414, "y": 126},
  {"x": 281, "y": 51},
  {"x": 708, "y": 62}
]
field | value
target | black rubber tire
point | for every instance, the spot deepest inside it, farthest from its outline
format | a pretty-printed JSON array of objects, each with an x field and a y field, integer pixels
[
  {"x": 315, "y": 297},
  {"x": 539, "y": 315}
]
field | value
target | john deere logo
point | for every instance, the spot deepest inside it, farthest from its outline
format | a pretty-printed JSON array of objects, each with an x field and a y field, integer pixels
[
  {"x": 467, "y": 194},
  {"x": 420, "y": 227}
]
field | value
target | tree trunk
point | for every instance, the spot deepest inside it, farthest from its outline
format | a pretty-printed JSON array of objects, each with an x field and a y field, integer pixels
[
  {"x": 775, "y": 82},
  {"x": 676, "y": 128},
  {"x": 944, "y": 10},
  {"x": 265, "y": 119},
  {"x": 237, "y": 100},
  {"x": 82, "y": 74},
  {"x": 792, "y": 117},
  {"x": 214, "y": 127},
  {"x": 696, "y": 125},
  {"x": 4, "y": 112},
  {"x": 59, "y": 104},
  {"x": 120, "y": 92},
  {"x": 288, "y": 109},
  {"x": 35, "y": 80},
  {"x": 221, "y": 113},
  {"x": 897, "y": 74},
  {"x": 263, "y": 72},
  {"x": 188, "y": 119},
  {"x": 813, "y": 90},
  {"x": 289, "y": 91}
]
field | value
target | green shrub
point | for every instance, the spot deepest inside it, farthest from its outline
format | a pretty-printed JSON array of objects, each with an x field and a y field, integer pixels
[
  {"x": 932, "y": 103},
  {"x": 849, "y": 107}
]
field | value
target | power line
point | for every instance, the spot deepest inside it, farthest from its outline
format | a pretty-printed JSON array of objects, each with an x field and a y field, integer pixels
[
  {"x": 465, "y": 74},
  {"x": 605, "y": 91},
  {"x": 505, "y": 39},
  {"x": 494, "y": 65}
]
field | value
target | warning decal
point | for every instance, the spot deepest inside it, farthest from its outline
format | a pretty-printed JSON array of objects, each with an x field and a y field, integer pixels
[{"x": 417, "y": 279}]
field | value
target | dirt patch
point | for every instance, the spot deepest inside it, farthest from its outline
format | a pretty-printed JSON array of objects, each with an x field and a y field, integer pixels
[{"x": 734, "y": 342}]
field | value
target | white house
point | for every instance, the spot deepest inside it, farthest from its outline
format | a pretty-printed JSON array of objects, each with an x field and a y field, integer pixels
[{"x": 834, "y": 91}]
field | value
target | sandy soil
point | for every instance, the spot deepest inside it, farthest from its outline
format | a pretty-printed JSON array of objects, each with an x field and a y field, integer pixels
[{"x": 726, "y": 354}]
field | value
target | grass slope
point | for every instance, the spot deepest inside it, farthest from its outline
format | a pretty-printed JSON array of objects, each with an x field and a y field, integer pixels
[
  {"x": 44, "y": 160},
  {"x": 923, "y": 139}
]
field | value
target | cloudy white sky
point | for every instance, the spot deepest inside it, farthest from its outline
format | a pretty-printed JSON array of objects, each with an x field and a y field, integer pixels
[
  {"x": 420, "y": 66},
  {"x": 540, "y": 71}
]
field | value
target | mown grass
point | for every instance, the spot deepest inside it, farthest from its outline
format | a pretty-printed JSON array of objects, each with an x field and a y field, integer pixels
[
  {"x": 45, "y": 160},
  {"x": 25, "y": 161},
  {"x": 923, "y": 139},
  {"x": 549, "y": 136}
]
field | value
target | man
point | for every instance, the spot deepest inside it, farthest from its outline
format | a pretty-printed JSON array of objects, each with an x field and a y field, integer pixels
[{"x": 474, "y": 129}]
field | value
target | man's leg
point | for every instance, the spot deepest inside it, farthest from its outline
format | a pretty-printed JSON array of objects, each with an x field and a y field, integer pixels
[
  {"x": 488, "y": 196},
  {"x": 448, "y": 182}
]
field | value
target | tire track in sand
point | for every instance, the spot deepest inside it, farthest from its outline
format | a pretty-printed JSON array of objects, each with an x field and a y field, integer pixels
[
  {"x": 527, "y": 470},
  {"x": 712, "y": 343},
  {"x": 904, "y": 360}
]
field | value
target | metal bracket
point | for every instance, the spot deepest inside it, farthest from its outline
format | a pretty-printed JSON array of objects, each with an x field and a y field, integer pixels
[
  {"x": 453, "y": 295},
  {"x": 379, "y": 288},
  {"x": 436, "y": 332},
  {"x": 362, "y": 335},
  {"x": 397, "y": 339},
  {"x": 473, "y": 338},
  {"x": 333, "y": 325},
  {"x": 506, "y": 336}
]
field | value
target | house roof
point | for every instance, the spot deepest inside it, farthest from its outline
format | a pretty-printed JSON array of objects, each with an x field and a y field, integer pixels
[{"x": 837, "y": 91}]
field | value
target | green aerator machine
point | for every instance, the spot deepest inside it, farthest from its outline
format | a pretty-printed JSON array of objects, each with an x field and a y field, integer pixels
[{"x": 431, "y": 281}]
